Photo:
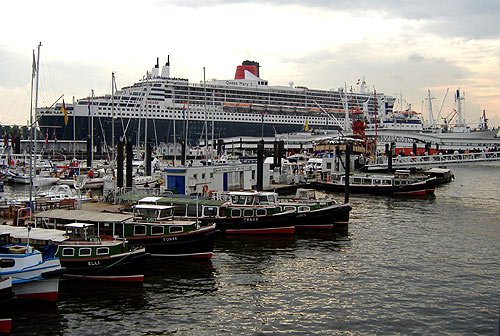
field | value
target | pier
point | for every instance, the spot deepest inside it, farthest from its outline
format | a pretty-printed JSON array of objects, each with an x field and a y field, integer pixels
[{"x": 434, "y": 160}]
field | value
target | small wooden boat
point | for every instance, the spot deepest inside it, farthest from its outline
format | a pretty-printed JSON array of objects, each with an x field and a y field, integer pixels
[{"x": 87, "y": 257}]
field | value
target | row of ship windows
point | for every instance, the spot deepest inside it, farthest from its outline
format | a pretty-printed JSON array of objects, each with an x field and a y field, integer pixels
[
  {"x": 202, "y": 115},
  {"x": 84, "y": 251}
]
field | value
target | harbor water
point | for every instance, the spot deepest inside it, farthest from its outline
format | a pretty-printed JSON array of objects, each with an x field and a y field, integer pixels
[{"x": 407, "y": 266}]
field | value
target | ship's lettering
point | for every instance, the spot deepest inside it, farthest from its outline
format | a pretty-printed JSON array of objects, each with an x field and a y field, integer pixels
[
  {"x": 94, "y": 263},
  {"x": 169, "y": 239},
  {"x": 234, "y": 83}
]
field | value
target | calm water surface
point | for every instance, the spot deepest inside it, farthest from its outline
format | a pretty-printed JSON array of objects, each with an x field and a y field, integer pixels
[{"x": 407, "y": 266}]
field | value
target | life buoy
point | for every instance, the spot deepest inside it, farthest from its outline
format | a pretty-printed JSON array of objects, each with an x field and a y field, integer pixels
[
  {"x": 205, "y": 189},
  {"x": 24, "y": 213}
]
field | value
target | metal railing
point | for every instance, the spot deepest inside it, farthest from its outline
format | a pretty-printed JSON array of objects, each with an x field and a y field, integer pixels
[{"x": 436, "y": 160}]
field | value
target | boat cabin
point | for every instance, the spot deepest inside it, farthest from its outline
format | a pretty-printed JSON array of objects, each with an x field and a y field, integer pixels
[
  {"x": 153, "y": 212},
  {"x": 80, "y": 231},
  {"x": 253, "y": 198},
  {"x": 305, "y": 194}
]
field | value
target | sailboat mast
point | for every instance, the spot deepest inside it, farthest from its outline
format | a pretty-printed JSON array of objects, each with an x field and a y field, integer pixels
[
  {"x": 173, "y": 120},
  {"x": 92, "y": 128},
  {"x": 213, "y": 110},
  {"x": 74, "y": 129},
  {"x": 113, "y": 115},
  {"x": 31, "y": 128},
  {"x": 205, "y": 106},
  {"x": 36, "y": 103}
]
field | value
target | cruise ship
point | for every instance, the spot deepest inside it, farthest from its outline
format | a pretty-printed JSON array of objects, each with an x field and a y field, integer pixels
[{"x": 166, "y": 107}]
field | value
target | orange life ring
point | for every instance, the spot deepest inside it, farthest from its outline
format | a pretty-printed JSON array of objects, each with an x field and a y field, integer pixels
[{"x": 205, "y": 189}]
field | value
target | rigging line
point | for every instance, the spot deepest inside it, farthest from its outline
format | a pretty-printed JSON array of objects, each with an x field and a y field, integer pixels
[
  {"x": 106, "y": 147},
  {"x": 124, "y": 130},
  {"x": 329, "y": 116}
]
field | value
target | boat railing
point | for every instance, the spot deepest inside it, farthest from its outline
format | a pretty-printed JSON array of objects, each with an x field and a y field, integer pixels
[{"x": 437, "y": 159}]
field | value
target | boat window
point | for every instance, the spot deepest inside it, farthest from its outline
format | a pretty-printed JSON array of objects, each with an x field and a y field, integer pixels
[
  {"x": 367, "y": 181},
  {"x": 260, "y": 212},
  {"x": 236, "y": 199},
  {"x": 356, "y": 180},
  {"x": 247, "y": 213},
  {"x": 157, "y": 230},
  {"x": 175, "y": 229},
  {"x": 386, "y": 182},
  {"x": 397, "y": 182},
  {"x": 139, "y": 230},
  {"x": 209, "y": 211},
  {"x": 68, "y": 252},
  {"x": 289, "y": 207},
  {"x": 102, "y": 250},
  {"x": 85, "y": 252},
  {"x": 7, "y": 263},
  {"x": 377, "y": 181},
  {"x": 304, "y": 209},
  {"x": 235, "y": 213}
]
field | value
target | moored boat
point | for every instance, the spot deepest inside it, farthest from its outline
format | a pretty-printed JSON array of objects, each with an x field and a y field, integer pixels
[
  {"x": 87, "y": 257},
  {"x": 314, "y": 212},
  {"x": 33, "y": 276},
  {"x": 163, "y": 235},
  {"x": 253, "y": 212},
  {"x": 398, "y": 184}
]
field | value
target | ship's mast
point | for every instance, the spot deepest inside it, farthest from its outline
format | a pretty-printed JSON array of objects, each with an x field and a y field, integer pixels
[
  {"x": 431, "y": 117},
  {"x": 205, "y": 106},
  {"x": 113, "y": 114},
  {"x": 460, "y": 113},
  {"x": 92, "y": 130}
]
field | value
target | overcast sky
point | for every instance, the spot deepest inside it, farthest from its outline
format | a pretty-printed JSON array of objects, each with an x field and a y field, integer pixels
[{"x": 400, "y": 47}]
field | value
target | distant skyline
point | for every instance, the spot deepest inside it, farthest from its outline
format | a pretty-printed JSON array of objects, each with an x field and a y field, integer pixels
[{"x": 400, "y": 48}]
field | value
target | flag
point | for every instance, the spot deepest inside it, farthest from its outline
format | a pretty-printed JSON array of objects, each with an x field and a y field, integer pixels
[
  {"x": 34, "y": 64},
  {"x": 46, "y": 136},
  {"x": 65, "y": 112}
]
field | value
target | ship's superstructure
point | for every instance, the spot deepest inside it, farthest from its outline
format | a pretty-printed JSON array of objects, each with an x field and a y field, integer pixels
[{"x": 244, "y": 106}]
